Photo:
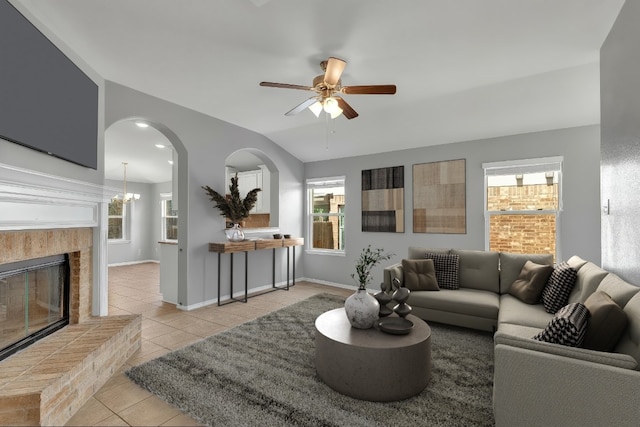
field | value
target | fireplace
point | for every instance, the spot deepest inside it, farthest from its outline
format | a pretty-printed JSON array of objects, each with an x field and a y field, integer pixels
[
  {"x": 34, "y": 301},
  {"x": 44, "y": 216}
]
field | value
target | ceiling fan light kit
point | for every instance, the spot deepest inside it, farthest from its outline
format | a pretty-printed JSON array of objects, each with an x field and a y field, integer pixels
[{"x": 326, "y": 87}]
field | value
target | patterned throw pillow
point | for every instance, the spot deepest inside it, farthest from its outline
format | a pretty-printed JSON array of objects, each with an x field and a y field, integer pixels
[
  {"x": 567, "y": 327},
  {"x": 447, "y": 266},
  {"x": 556, "y": 293}
]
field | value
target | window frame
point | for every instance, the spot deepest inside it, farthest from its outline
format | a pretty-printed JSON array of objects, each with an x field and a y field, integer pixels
[
  {"x": 325, "y": 182},
  {"x": 124, "y": 227},
  {"x": 509, "y": 167},
  {"x": 164, "y": 198}
]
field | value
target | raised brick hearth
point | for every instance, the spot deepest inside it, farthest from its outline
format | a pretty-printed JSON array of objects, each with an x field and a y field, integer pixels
[{"x": 46, "y": 383}]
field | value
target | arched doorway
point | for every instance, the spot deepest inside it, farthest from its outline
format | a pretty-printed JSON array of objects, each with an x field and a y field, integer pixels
[{"x": 154, "y": 156}]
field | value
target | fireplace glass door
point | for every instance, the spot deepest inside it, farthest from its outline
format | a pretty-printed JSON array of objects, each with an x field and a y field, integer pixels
[{"x": 33, "y": 301}]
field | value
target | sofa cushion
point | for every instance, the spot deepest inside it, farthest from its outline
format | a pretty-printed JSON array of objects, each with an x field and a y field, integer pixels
[
  {"x": 576, "y": 262},
  {"x": 511, "y": 265},
  {"x": 519, "y": 330},
  {"x": 447, "y": 269},
  {"x": 606, "y": 323},
  {"x": 587, "y": 280},
  {"x": 479, "y": 269},
  {"x": 470, "y": 302},
  {"x": 556, "y": 293},
  {"x": 513, "y": 311},
  {"x": 629, "y": 342},
  {"x": 419, "y": 275},
  {"x": 415, "y": 252},
  {"x": 530, "y": 283},
  {"x": 619, "y": 290},
  {"x": 567, "y": 327}
]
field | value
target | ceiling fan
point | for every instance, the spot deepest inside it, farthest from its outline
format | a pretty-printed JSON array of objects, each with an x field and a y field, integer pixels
[{"x": 326, "y": 86}]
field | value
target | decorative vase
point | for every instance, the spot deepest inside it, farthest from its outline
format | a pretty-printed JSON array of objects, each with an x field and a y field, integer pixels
[
  {"x": 383, "y": 299},
  {"x": 362, "y": 309},
  {"x": 235, "y": 233},
  {"x": 400, "y": 296}
]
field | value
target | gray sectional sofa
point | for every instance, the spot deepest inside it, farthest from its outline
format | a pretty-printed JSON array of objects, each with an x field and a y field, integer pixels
[{"x": 538, "y": 383}]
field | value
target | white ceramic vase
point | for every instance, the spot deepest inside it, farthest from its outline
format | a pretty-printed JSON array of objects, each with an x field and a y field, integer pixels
[{"x": 362, "y": 309}]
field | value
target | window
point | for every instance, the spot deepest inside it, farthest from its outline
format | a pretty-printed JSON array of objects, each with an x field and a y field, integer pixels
[
  {"x": 169, "y": 219},
  {"x": 117, "y": 216},
  {"x": 523, "y": 205},
  {"x": 325, "y": 208}
]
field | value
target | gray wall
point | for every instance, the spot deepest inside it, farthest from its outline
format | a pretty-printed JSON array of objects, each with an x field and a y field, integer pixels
[
  {"x": 620, "y": 104},
  {"x": 203, "y": 143},
  {"x": 143, "y": 224},
  {"x": 580, "y": 220}
]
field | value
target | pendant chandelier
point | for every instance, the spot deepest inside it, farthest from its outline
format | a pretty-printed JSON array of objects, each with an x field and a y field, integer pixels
[{"x": 126, "y": 197}]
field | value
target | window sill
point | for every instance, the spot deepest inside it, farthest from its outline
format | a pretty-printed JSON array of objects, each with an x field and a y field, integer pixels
[
  {"x": 118, "y": 241},
  {"x": 328, "y": 252}
]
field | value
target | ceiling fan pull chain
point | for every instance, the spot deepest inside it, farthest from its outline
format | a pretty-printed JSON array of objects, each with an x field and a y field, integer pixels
[{"x": 326, "y": 131}]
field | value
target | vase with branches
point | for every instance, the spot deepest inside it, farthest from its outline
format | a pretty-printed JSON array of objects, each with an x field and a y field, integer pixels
[
  {"x": 362, "y": 309},
  {"x": 368, "y": 259},
  {"x": 233, "y": 207}
]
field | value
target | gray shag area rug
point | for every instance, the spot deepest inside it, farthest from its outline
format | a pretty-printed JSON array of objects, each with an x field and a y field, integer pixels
[{"x": 262, "y": 373}]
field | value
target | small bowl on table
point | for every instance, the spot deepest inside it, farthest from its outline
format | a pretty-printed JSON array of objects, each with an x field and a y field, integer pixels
[
  {"x": 277, "y": 236},
  {"x": 287, "y": 236}
]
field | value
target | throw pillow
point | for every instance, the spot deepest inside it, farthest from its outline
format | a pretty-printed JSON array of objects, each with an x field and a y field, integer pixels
[
  {"x": 419, "y": 275},
  {"x": 606, "y": 323},
  {"x": 567, "y": 327},
  {"x": 530, "y": 283},
  {"x": 555, "y": 294},
  {"x": 447, "y": 269}
]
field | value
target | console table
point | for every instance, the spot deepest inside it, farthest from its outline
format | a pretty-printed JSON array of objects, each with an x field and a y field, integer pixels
[{"x": 247, "y": 246}]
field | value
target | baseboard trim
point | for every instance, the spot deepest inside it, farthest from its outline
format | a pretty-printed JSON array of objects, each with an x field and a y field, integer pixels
[{"x": 120, "y": 264}]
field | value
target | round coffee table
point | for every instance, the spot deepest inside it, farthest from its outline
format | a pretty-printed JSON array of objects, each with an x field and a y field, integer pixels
[{"x": 369, "y": 364}]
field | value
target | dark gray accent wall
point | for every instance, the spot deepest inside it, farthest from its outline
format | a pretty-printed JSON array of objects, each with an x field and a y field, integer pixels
[
  {"x": 579, "y": 222},
  {"x": 620, "y": 150},
  {"x": 20, "y": 156}
]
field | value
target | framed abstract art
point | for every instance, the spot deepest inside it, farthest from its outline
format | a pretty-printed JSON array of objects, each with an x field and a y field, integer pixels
[
  {"x": 383, "y": 199},
  {"x": 439, "y": 197}
]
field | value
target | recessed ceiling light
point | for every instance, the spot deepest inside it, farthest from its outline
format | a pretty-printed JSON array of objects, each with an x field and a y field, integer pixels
[
  {"x": 170, "y": 162},
  {"x": 142, "y": 124},
  {"x": 161, "y": 146}
]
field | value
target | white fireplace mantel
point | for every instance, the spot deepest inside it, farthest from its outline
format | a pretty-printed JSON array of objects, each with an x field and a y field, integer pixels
[
  {"x": 31, "y": 200},
  {"x": 35, "y": 200}
]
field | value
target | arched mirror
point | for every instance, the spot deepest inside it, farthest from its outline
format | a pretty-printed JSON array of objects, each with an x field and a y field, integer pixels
[{"x": 255, "y": 170}]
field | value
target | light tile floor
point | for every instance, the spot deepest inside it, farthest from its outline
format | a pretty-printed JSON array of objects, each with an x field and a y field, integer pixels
[{"x": 135, "y": 289}]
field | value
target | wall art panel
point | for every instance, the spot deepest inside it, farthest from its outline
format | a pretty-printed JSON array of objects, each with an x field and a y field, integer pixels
[
  {"x": 383, "y": 199},
  {"x": 439, "y": 197}
]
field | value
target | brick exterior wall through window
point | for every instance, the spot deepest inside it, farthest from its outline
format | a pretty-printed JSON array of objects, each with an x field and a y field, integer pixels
[{"x": 523, "y": 233}]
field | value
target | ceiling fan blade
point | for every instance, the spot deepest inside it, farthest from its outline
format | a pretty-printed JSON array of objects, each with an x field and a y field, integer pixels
[
  {"x": 301, "y": 106},
  {"x": 334, "y": 70},
  {"x": 285, "y": 86},
  {"x": 347, "y": 111},
  {"x": 370, "y": 90}
]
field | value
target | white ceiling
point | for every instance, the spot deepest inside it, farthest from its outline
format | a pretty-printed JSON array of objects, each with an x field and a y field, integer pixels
[{"x": 465, "y": 69}]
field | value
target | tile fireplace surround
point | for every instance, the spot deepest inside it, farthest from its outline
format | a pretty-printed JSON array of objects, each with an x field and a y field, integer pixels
[{"x": 47, "y": 382}]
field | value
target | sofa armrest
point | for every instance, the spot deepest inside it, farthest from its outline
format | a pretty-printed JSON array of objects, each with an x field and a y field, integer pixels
[
  {"x": 619, "y": 360},
  {"x": 534, "y": 388},
  {"x": 389, "y": 273}
]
